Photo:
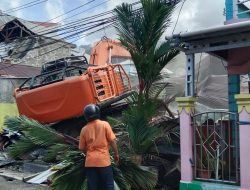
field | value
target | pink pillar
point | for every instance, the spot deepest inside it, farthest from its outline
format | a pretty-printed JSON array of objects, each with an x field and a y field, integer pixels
[
  {"x": 243, "y": 101},
  {"x": 186, "y": 108}
]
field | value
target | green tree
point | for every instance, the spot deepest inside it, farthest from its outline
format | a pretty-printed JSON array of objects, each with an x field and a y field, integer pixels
[{"x": 140, "y": 31}]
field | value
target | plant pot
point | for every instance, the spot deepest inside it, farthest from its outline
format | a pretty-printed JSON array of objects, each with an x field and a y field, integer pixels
[{"x": 204, "y": 173}]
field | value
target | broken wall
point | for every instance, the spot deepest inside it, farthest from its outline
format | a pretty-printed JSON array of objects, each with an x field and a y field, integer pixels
[
  {"x": 42, "y": 51},
  {"x": 7, "y": 86}
]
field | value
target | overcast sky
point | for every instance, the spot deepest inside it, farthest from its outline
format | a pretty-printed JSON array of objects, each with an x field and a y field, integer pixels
[{"x": 195, "y": 14}]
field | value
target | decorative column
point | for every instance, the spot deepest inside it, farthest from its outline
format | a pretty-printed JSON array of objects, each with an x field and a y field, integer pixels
[
  {"x": 186, "y": 109},
  {"x": 243, "y": 101}
]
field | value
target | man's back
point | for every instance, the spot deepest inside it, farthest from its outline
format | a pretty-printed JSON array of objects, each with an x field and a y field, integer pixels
[{"x": 95, "y": 138}]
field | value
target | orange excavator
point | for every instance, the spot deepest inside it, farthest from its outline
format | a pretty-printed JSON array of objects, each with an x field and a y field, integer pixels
[{"x": 58, "y": 95}]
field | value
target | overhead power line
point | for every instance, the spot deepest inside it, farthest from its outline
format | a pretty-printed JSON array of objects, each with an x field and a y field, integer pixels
[
  {"x": 24, "y": 6},
  {"x": 65, "y": 13},
  {"x": 54, "y": 17},
  {"x": 75, "y": 26},
  {"x": 178, "y": 16},
  {"x": 88, "y": 34},
  {"x": 85, "y": 10},
  {"x": 71, "y": 29},
  {"x": 53, "y": 30},
  {"x": 73, "y": 22},
  {"x": 107, "y": 23},
  {"x": 67, "y": 37}
]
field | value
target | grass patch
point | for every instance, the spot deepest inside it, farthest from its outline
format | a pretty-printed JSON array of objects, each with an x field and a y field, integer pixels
[{"x": 7, "y": 109}]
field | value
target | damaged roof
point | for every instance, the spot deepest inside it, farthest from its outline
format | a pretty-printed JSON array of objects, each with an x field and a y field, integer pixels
[
  {"x": 33, "y": 26},
  {"x": 18, "y": 36},
  {"x": 45, "y": 29},
  {"x": 18, "y": 71}
]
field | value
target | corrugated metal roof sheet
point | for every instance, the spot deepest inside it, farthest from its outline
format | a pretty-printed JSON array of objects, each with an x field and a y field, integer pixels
[
  {"x": 15, "y": 70},
  {"x": 34, "y": 26}
]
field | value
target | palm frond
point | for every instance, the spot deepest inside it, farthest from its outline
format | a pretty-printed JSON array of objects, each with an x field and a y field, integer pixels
[
  {"x": 119, "y": 179},
  {"x": 156, "y": 18},
  {"x": 42, "y": 135},
  {"x": 133, "y": 98},
  {"x": 72, "y": 179},
  {"x": 72, "y": 175},
  {"x": 137, "y": 122},
  {"x": 140, "y": 32},
  {"x": 137, "y": 177},
  {"x": 35, "y": 136},
  {"x": 127, "y": 175},
  {"x": 113, "y": 121},
  {"x": 22, "y": 147},
  {"x": 55, "y": 151},
  {"x": 163, "y": 59},
  {"x": 156, "y": 89},
  {"x": 19, "y": 123}
]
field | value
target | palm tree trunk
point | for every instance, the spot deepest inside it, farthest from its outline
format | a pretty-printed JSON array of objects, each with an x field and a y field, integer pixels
[{"x": 141, "y": 85}]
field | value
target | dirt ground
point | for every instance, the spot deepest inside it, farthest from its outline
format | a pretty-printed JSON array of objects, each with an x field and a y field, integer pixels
[{"x": 7, "y": 184}]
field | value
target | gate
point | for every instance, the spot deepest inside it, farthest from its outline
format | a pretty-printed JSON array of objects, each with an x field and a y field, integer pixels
[{"x": 216, "y": 150}]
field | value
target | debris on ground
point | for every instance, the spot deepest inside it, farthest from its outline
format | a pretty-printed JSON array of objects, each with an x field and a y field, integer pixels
[
  {"x": 13, "y": 173},
  {"x": 13, "y": 184},
  {"x": 7, "y": 138}
]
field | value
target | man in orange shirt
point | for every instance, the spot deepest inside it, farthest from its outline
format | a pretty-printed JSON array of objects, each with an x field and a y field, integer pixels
[{"x": 95, "y": 139}]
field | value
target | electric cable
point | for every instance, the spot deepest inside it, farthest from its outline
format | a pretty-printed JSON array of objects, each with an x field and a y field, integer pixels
[
  {"x": 68, "y": 36},
  {"x": 97, "y": 25},
  {"x": 72, "y": 22},
  {"x": 72, "y": 36},
  {"x": 32, "y": 3},
  {"x": 90, "y": 33},
  {"x": 56, "y": 16},
  {"x": 66, "y": 12},
  {"x": 178, "y": 16},
  {"x": 105, "y": 13}
]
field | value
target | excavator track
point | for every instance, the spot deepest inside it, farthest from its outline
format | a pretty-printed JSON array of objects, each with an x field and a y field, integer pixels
[{"x": 73, "y": 126}]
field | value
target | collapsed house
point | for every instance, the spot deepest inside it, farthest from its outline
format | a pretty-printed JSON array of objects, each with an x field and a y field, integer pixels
[
  {"x": 30, "y": 43},
  {"x": 24, "y": 47}
]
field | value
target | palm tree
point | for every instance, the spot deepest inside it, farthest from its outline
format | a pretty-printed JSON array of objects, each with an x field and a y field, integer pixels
[
  {"x": 140, "y": 31},
  {"x": 137, "y": 121}
]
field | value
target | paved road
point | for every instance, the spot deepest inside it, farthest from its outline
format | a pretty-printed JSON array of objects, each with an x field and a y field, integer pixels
[{"x": 19, "y": 185}]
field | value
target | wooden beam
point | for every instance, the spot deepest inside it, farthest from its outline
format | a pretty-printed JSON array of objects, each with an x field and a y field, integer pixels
[
  {"x": 11, "y": 32},
  {"x": 11, "y": 28},
  {"x": 3, "y": 35},
  {"x": 23, "y": 28}
]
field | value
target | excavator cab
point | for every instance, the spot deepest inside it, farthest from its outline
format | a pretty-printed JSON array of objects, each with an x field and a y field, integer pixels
[{"x": 64, "y": 62}]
